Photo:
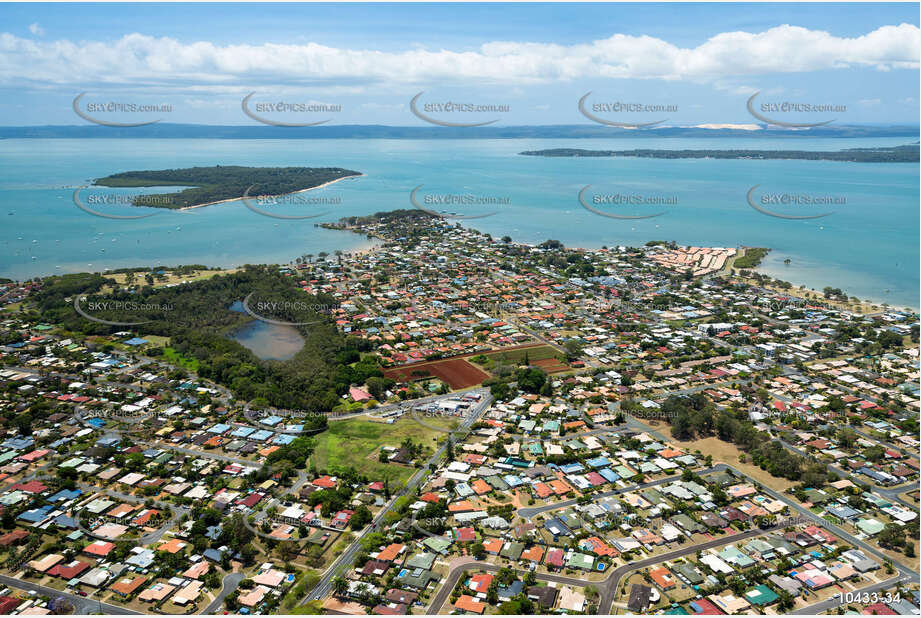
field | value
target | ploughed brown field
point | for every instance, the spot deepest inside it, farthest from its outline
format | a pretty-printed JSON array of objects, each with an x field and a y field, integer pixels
[
  {"x": 550, "y": 365},
  {"x": 455, "y": 372}
]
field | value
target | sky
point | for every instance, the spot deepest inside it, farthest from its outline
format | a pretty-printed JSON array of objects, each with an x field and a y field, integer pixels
[{"x": 510, "y": 64}]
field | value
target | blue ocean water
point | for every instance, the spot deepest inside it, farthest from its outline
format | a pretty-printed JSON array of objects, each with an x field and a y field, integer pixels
[{"x": 869, "y": 247}]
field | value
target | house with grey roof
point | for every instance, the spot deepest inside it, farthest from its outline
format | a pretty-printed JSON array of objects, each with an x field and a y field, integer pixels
[
  {"x": 787, "y": 584},
  {"x": 689, "y": 573},
  {"x": 494, "y": 523},
  {"x": 512, "y": 550},
  {"x": 417, "y": 579},
  {"x": 683, "y": 521},
  {"x": 421, "y": 561}
]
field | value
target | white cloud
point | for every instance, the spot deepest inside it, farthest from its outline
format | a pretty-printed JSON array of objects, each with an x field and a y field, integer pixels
[
  {"x": 869, "y": 102},
  {"x": 36, "y": 29},
  {"x": 137, "y": 59}
]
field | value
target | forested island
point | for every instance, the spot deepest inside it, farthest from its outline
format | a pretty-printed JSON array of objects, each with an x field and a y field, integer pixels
[
  {"x": 208, "y": 185},
  {"x": 907, "y": 153}
]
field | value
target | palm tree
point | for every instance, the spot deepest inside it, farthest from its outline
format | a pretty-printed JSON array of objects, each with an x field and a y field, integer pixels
[{"x": 340, "y": 586}]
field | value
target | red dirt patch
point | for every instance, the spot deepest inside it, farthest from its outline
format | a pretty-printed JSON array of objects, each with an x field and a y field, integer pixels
[
  {"x": 456, "y": 372},
  {"x": 550, "y": 365}
]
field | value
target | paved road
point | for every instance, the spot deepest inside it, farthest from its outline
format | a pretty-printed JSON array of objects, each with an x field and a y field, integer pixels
[
  {"x": 891, "y": 493},
  {"x": 607, "y": 588},
  {"x": 901, "y": 449},
  {"x": 324, "y": 586},
  {"x": 176, "y": 513},
  {"x": 833, "y": 529},
  {"x": 828, "y": 525},
  {"x": 228, "y": 585},
  {"x": 82, "y": 605},
  {"x": 205, "y": 454},
  {"x": 906, "y": 574},
  {"x": 78, "y": 415},
  {"x": 531, "y": 511},
  {"x": 836, "y": 602},
  {"x": 448, "y": 586}
]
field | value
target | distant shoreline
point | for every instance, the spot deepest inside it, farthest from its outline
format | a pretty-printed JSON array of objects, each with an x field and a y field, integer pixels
[
  {"x": 905, "y": 153},
  {"x": 371, "y": 131},
  {"x": 237, "y": 199}
]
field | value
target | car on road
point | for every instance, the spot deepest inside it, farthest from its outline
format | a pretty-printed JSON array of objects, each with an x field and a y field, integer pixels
[{"x": 81, "y": 593}]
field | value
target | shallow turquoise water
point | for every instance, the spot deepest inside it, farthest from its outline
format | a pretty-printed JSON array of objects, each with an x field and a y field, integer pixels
[{"x": 869, "y": 247}]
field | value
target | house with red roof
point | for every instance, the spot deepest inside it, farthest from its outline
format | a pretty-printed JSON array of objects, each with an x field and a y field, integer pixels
[
  {"x": 30, "y": 487},
  {"x": 251, "y": 500},
  {"x": 69, "y": 571},
  {"x": 555, "y": 558},
  {"x": 464, "y": 535},
  {"x": 595, "y": 479},
  {"x": 34, "y": 455},
  {"x": 358, "y": 395},
  {"x": 493, "y": 546},
  {"x": 705, "y": 607},
  {"x": 878, "y": 609},
  {"x": 533, "y": 554},
  {"x": 99, "y": 549},
  {"x": 341, "y": 519},
  {"x": 481, "y": 487},
  {"x": 468, "y": 604},
  {"x": 480, "y": 582},
  {"x": 391, "y": 552},
  {"x": 324, "y": 482},
  {"x": 663, "y": 578},
  {"x": 598, "y": 547},
  {"x": 11, "y": 538},
  {"x": 8, "y": 604},
  {"x": 144, "y": 517}
]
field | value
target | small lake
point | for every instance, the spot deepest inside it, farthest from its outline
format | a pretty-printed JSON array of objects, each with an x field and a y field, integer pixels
[{"x": 268, "y": 341}]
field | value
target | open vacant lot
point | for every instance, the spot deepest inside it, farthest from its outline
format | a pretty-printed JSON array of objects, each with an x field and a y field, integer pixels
[
  {"x": 356, "y": 443},
  {"x": 456, "y": 372},
  {"x": 538, "y": 352},
  {"x": 550, "y": 365}
]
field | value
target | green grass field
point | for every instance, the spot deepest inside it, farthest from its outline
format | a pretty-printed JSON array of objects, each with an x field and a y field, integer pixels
[
  {"x": 356, "y": 442},
  {"x": 516, "y": 356},
  {"x": 178, "y": 359}
]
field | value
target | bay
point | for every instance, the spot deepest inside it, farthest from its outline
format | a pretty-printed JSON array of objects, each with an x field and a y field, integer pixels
[{"x": 869, "y": 247}]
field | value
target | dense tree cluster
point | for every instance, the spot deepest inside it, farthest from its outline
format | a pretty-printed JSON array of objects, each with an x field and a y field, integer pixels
[
  {"x": 222, "y": 182},
  {"x": 695, "y": 416},
  {"x": 198, "y": 319}
]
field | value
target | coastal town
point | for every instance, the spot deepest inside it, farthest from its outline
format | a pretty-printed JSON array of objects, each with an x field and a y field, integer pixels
[{"x": 524, "y": 429}]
